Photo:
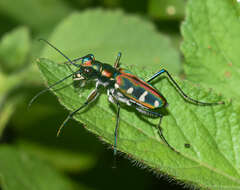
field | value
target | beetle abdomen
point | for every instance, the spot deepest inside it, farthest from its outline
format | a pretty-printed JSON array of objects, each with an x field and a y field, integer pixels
[{"x": 140, "y": 91}]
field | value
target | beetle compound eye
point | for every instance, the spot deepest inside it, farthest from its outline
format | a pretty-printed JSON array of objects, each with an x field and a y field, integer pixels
[{"x": 86, "y": 59}]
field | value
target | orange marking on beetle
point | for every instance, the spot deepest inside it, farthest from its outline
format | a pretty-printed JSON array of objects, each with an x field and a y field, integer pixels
[
  {"x": 119, "y": 80},
  {"x": 121, "y": 70},
  {"x": 106, "y": 73},
  {"x": 143, "y": 103},
  {"x": 88, "y": 63}
]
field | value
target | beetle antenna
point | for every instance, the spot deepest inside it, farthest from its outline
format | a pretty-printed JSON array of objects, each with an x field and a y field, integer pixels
[
  {"x": 47, "y": 89},
  {"x": 74, "y": 60},
  {"x": 66, "y": 57}
]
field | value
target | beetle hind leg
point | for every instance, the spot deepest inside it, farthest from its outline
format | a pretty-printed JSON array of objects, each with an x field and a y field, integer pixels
[
  {"x": 155, "y": 114},
  {"x": 161, "y": 134}
]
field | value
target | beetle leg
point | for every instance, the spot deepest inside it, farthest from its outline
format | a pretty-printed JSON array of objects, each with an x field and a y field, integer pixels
[
  {"x": 161, "y": 134},
  {"x": 155, "y": 114},
  {"x": 180, "y": 91},
  {"x": 92, "y": 96},
  {"x": 117, "y": 63},
  {"x": 112, "y": 99},
  {"x": 116, "y": 130},
  {"x": 156, "y": 75}
]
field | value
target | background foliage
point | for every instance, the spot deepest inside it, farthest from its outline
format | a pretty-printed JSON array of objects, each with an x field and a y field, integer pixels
[{"x": 148, "y": 34}]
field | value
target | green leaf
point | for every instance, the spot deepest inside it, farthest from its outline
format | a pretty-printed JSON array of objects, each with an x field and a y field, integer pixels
[
  {"x": 137, "y": 39},
  {"x": 211, "y": 45},
  {"x": 14, "y": 53},
  {"x": 38, "y": 15},
  {"x": 8, "y": 103},
  {"x": 212, "y": 151},
  {"x": 212, "y": 131},
  {"x": 112, "y": 4},
  {"x": 14, "y": 49},
  {"x": 167, "y": 9},
  {"x": 22, "y": 171},
  {"x": 66, "y": 160},
  {"x": 7, "y": 109}
]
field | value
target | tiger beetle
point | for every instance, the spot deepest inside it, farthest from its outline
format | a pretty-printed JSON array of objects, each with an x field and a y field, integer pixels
[{"x": 122, "y": 87}]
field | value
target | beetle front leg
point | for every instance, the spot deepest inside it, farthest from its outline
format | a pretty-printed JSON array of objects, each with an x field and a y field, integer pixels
[{"x": 91, "y": 97}]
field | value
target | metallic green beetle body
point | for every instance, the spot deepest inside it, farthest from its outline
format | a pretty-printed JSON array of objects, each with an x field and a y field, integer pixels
[{"x": 122, "y": 85}]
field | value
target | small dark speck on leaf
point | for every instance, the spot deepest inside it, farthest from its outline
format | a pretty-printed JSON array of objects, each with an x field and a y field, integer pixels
[{"x": 227, "y": 74}]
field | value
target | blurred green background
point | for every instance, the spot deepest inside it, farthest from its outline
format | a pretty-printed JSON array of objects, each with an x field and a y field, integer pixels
[{"x": 77, "y": 157}]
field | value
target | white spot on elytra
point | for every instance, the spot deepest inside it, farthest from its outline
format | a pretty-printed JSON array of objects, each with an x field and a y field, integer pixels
[
  {"x": 130, "y": 90},
  {"x": 156, "y": 103},
  {"x": 116, "y": 85},
  {"x": 142, "y": 97}
]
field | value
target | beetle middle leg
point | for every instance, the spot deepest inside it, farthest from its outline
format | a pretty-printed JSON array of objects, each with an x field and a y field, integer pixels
[
  {"x": 113, "y": 99},
  {"x": 116, "y": 130}
]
